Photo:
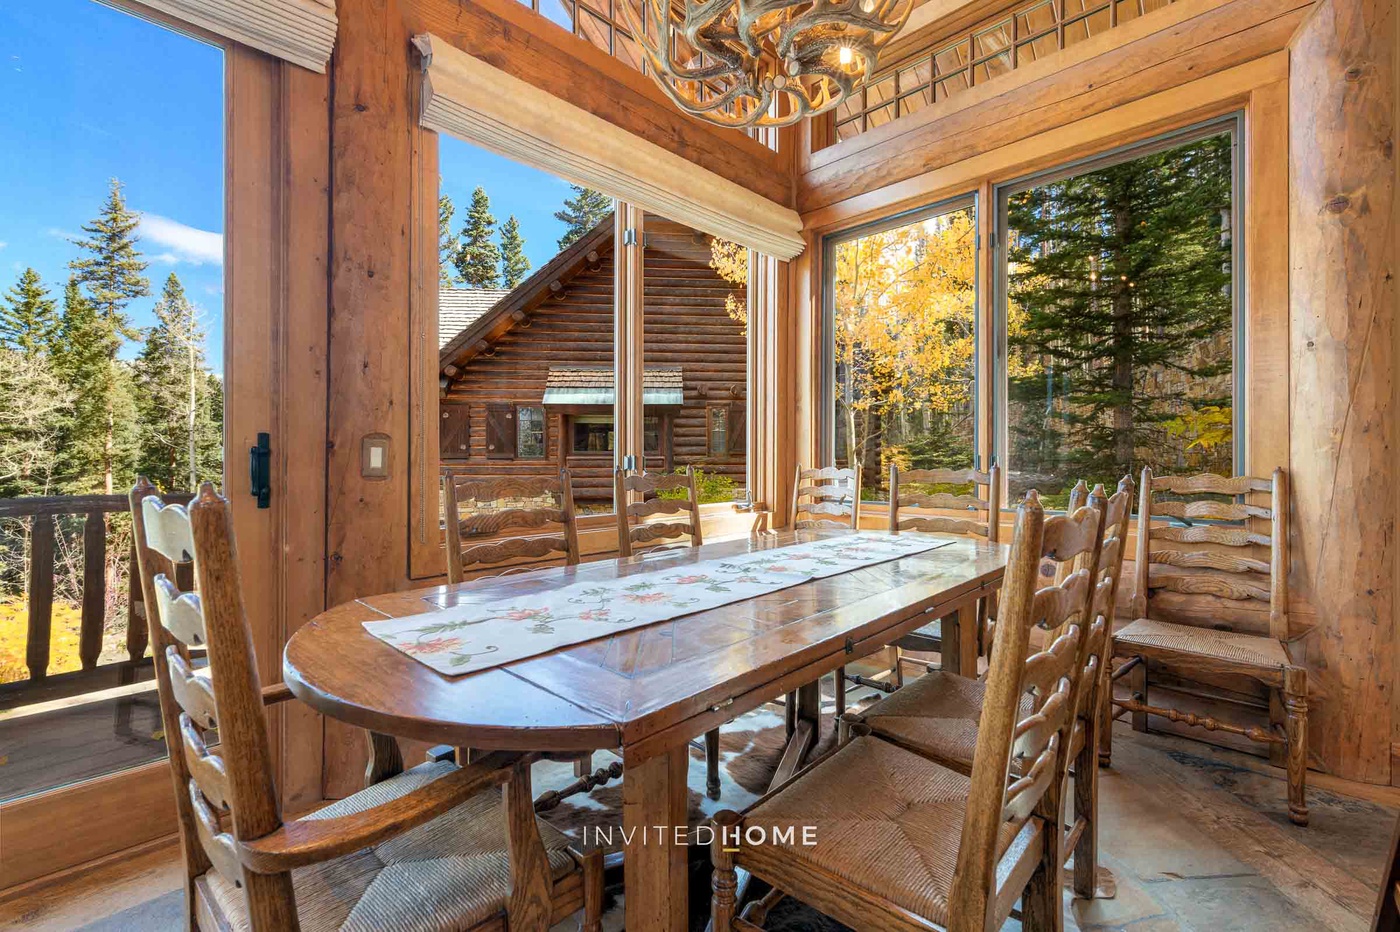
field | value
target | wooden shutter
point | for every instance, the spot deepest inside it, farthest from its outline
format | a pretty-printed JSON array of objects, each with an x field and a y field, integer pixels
[
  {"x": 500, "y": 432},
  {"x": 454, "y": 432},
  {"x": 738, "y": 428}
]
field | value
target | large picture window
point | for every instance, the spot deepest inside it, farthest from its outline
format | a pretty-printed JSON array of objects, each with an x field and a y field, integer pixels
[
  {"x": 1118, "y": 303},
  {"x": 901, "y": 325}
]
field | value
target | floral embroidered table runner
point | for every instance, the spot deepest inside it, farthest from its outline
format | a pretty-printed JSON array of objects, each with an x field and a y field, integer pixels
[{"x": 471, "y": 637}]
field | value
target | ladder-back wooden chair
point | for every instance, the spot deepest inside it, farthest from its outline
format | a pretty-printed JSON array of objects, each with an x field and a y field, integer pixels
[
  {"x": 633, "y": 529},
  {"x": 981, "y": 518},
  {"x": 1218, "y": 640},
  {"x": 902, "y": 842},
  {"x": 826, "y": 498},
  {"x": 540, "y": 506},
  {"x": 436, "y": 846},
  {"x": 647, "y": 485}
]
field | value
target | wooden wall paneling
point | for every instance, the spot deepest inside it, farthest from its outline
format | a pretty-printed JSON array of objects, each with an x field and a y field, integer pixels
[
  {"x": 1222, "y": 38},
  {"x": 371, "y": 218},
  {"x": 1342, "y": 339},
  {"x": 517, "y": 40},
  {"x": 629, "y": 289},
  {"x": 300, "y": 473},
  {"x": 426, "y": 557},
  {"x": 1172, "y": 108}
]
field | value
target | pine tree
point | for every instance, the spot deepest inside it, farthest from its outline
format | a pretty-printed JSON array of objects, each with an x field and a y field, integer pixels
[
  {"x": 448, "y": 243},
  {"x": 582, "y": 212},
  {"x": 82, "y": 363},
  {"x": 173, "y": 412},
  {"x": 1120, "y": 286},
  {"x": 114, "y": 274},
  {"x": 28, "y": 316},
  {"x": 113, "y": 270},
  {"x": 514, "y": 264},
  {"x": 478, "y": 258}
]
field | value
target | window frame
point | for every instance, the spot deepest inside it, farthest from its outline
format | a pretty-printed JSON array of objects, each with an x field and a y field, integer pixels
[
  {"x": 1233, "y": 124},
  {"x": 710, "y": 410},
  {"x": 544, "y": 431}
]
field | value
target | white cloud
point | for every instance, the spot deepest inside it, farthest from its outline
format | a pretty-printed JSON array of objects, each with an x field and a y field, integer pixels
[
  {"x": 3, "y": 244},
  {"x": 181, "y": 243}
]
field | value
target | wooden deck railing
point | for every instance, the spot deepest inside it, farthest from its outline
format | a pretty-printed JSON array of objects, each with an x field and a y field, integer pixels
[{"x": 41, "y": 686}]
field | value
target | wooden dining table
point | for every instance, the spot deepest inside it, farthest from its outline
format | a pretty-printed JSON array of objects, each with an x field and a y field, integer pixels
[{"x": 645, "y": 693}]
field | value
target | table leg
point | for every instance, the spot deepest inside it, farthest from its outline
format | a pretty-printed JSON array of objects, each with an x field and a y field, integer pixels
[
  {"x": 958, "y": 631},
  {"x": 806, "y": 717},
  {"x": 654, "y": 868}
]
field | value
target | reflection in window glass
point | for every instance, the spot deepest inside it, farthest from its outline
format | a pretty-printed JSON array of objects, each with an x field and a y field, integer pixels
[
  {"x": 529, "y": 432},
  {"x": 1119, "y": 321},
  {"x": 695, "y": 347},
  {"x": 719, "y": 431},
  {"x": 593, "y": 434},
  {"x": 903, "y": 339}
]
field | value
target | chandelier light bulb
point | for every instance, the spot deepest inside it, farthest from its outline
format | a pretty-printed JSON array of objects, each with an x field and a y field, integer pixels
[
  {"x": 867, "y": 6},
  {"x": 845, "y": 55}
]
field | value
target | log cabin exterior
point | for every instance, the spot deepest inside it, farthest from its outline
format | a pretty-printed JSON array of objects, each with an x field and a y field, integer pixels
[{"x": 527, "y": 383}]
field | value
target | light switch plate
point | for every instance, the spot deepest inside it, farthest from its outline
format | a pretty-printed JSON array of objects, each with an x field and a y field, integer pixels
[{"x": 374, "y": 456}]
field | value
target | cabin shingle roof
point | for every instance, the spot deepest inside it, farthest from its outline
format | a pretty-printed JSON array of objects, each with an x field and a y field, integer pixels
[
  {"x": 459, "y": 308},
  {"x": 661, "y": 378}
]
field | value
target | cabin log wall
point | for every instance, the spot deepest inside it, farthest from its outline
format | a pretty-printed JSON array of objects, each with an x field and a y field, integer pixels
[{"x": 685, "y": 325}]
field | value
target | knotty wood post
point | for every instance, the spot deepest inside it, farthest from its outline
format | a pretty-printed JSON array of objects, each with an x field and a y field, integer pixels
[
  {"x": 94, "y": 588},
  {"x": 36, "y": 653}
]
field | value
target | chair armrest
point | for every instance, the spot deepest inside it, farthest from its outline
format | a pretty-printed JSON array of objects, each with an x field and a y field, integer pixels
[
  {"x": 311, "y": 841},
  {"x": 277, "y": 692}
]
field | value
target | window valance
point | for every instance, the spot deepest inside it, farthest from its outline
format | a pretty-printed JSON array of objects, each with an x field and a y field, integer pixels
[
  {"x": 298, "y": 31},
  {"x": 477, "y": 102}
]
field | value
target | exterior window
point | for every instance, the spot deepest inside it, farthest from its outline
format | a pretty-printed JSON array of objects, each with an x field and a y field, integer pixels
[
  {"x": 901, "y": 338},
  {"x": 651, "y": 434},
  {"x": 1119, "y": 315},
  {"x": 529, "y": 432},
  {"x": 719, "y": 430},
  {"x": 593, "y": 434}
]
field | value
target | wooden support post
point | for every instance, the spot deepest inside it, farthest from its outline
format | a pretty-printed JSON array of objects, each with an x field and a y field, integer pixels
[
  {"x": 36, "y": 652},
  {"x": 94, "y": 588}
]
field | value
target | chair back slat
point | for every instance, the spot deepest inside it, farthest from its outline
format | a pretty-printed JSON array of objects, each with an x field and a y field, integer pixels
[
  {"x": 193, "y": 693},
  {"x": 488, "y": 523},
  {"x": 826, "y": 497},
  {"x": 496, "y": 506},
  {"x": 658, "y": 506},
  {"x": 1210, "y": 571},
  {"x": 981, "y": 516},
  {"x": 168, "y": 529},
  {"x": 180, "y": 612},
  {"x": 218, "y": 845},
  {"x": 1207, "y": 484},
  {"x": 206, "y": 768},
  {"x": 647, "y": 485}
]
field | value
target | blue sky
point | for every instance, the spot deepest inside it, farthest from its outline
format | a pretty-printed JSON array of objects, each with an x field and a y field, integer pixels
[
  {"x": 89, "y": 93},
  {"x": 532, "y": 196}
]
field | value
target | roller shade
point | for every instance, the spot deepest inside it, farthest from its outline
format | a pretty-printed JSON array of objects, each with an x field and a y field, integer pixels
[
  {"x": 474, "y": 101},
  {"x": 298, "y": 31}
]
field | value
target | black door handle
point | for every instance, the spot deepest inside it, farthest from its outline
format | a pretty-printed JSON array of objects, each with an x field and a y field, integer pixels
[{"x": 260, "y": 470}]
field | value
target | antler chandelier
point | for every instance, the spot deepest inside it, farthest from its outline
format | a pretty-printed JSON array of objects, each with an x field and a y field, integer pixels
[{"x": 763, "y": 62}]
